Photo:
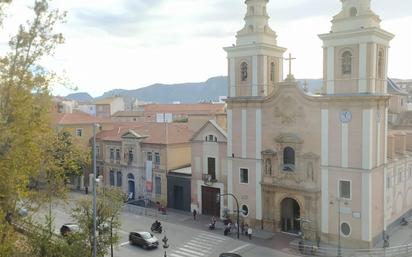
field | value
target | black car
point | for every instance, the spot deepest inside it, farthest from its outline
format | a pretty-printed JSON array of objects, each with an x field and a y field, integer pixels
[
  {"x": 69, "y": 228},
  {"x": 143, "y": 239},
  {"x": 229, "y": 255}
]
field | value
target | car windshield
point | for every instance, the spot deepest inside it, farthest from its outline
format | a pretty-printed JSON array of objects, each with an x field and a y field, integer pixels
[{"x": 146, "y": 235}]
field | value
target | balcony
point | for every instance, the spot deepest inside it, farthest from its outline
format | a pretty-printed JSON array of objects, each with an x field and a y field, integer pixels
[{"x": 208, "y": 179}]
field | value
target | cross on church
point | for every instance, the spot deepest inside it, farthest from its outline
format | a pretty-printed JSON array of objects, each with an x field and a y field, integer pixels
[{"x": 290, "y": 59}]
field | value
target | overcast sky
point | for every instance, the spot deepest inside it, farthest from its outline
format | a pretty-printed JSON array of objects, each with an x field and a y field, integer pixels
[{"x": 134, "y": 43}]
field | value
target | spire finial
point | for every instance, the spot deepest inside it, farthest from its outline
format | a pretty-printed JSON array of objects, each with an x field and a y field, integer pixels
[{"x": 290, "y": 59}]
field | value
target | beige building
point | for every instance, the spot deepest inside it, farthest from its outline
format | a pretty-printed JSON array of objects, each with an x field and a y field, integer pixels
[
  {"x": 209, "y": 169},
  {"x": 80, "y": 126},
  {"x": 138, "y": 156},
  {"x": 108, "y": 106},
  {"x": 326, "y": 165}
]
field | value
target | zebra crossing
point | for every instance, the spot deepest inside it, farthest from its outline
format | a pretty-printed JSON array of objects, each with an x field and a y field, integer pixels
[{"x": 200, "y": 246}]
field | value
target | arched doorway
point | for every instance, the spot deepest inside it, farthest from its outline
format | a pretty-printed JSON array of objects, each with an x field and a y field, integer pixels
[
  {"x": 290, "y": 213},
  {"x": 131, "y": 186}
]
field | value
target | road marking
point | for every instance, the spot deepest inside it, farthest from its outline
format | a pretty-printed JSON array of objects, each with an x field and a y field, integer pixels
[
  {"x": 125, "y": 243},
  {"x": 190, "y": 251},
  {"x": 210, "y": 239},
  {"x": 239, "y": 248},
  {"x": 197, "y": 245},
  {"x": 176, "y": 255},
  {"x": 213, "y": 236},
  {"x": 204, "y": 240},
  {"x": 195, "y": 248},
  {"x": 184, "y": 253}
]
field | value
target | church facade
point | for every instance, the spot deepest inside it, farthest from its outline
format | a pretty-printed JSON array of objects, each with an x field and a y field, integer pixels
[{"x": 316, "y": 164}]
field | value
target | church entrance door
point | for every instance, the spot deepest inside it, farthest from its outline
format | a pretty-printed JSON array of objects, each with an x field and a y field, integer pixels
[
  {"x": 210, "y": 203},
  {"x": 290, "y": 213}
]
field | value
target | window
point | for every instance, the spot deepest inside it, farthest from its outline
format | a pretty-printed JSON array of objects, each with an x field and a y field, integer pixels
[
  {"x": 211, "y": 138},
  {"x": 345, "y": 229},
  {"x": 288, "y": 159},
  {"x": 346, "y": 63},
  {"x": 243, "y": 71},
  {"x": 272, "y": 71},
  {"x": 353, "y": 12},
  {"x": 158, "y": 185},
  {"x": 211, "y": 167},
  {"x": 344, "y": 189},
  {"x": 388, "y": 182},
  {"x": 130, "y": 157},
  {"x": 149, "y": 156},
  {"x": 117, "y": 154},
  {"x": 381, "y": 63},
  {"x": 79, "y": 132},
  {"x": 119, "y": 178},
  {"x": 111, "y": 177},
  {"x": 244, "y": 210},
  {"x": 111, "y": 154},
  {"x": 268, "y": 166},
  {"x": 157, "y": 158},
  {"x": 244, "y": 176}
]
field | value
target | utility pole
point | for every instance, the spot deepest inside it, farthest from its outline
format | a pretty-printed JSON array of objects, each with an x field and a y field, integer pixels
[
  {"x": 237, "y": 206},
  {"x": 94, "y": 190}
]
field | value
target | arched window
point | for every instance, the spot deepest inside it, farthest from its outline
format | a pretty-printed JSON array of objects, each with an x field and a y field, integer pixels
[
  {"x": 272, "y": 71},
  {"x": 353, "y": 12},
  {"x": 381, "y": 63},
  {"x": 243, "y": 71},
  {"x": 130, "y": 176},
  {"x": 119, "y": 178},
  {"x": 268, "y": 166},
  {"x": 346, "y": 63},
  {"x": 288, "y": 159}
]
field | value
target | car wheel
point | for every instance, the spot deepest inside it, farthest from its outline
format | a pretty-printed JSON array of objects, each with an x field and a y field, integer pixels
[{"x": 144, "y": 247}]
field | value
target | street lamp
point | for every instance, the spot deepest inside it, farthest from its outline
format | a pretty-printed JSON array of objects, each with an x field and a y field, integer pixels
[
  {"x": 94, "y": 181},
  {"x": 237, "y": 206},
  {"x": 165, "y": 245}
]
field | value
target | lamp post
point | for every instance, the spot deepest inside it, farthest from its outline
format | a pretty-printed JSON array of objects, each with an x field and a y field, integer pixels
[
  {"x": 165, "y": 245},
  {"x": 339, "y": 247},
  {"x": 237, "y": 206},
  {"x": 95, "y": 125}
]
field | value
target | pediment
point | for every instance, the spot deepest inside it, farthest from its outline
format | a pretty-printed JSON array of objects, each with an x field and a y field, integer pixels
[
  {"x": 130, "y": 134},
  {"x": 290, "y": 138}
]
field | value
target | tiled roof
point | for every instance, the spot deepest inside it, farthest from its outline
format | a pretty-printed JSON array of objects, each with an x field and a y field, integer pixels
[
  {"x": 128, "y": 114},
  {"x": 154, "y": 133},
  {"x": 77, "y": 117},
  {"x": 185, "y": 108}
]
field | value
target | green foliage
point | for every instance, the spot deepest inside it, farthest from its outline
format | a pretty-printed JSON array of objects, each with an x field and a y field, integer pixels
[
  {"x": 108, "y": 208},
  {"x": 25, "y": 105}
]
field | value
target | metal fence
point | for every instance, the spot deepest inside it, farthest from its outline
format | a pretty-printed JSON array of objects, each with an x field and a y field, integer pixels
[
  {"x": 142, "y": 211},
  {"x": 312, "y": 250}
]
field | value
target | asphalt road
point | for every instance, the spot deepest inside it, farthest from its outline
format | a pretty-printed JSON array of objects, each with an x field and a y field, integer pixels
[{"x": 183, "y": 241}]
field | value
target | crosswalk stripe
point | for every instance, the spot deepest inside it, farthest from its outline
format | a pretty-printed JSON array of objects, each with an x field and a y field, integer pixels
[
  {"x": 211, "y": 239},
  {"x": 190, "y": 251},
  {"x": 207, "y": 241},
  {"x": 184, "y": 253},
  {"x": 176, "y": 255},
  {"x": 201, "y": 246},
  {"x": 195, "y": 248},
  {"x": 213, "y": 236},
  {"x": 200, "y": 242}
]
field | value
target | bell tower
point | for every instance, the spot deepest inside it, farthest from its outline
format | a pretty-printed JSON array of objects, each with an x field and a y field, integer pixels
[
  {"x": 255, "y": 62},
  {"x": 355, "y": 51}
]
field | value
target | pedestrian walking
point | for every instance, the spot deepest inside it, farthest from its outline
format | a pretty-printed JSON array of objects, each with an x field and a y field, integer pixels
[
  {"x": 194, "y": 214},
  {"x": 249, "y": 233},
  {"x": 242, "y": 227},
  {"x": 246, "y": 228}
]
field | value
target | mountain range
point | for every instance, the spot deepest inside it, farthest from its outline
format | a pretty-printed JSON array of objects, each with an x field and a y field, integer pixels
[{"x": 207, "y": 91}]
